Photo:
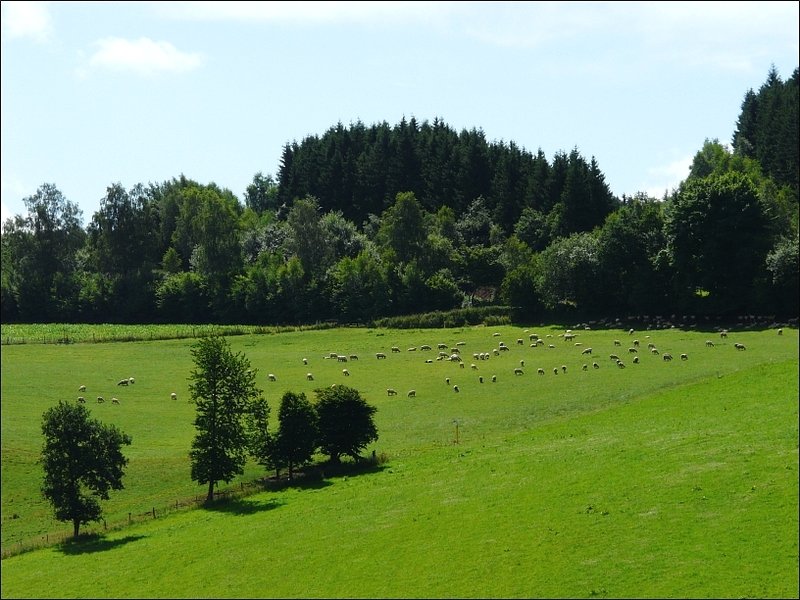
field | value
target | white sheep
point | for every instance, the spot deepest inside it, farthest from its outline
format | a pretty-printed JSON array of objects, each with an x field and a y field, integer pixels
[
  {"x": 447, "y": 380},
  {"x": 709, "y": 344},
  {"x": 739, "y": 346},
  {"x": 100, "y": 399},
  {"x": 684, "y": 357},
  {"x": 123, "y": 381},
  {"x": 494, "y": 378},
  {"x": 114, "y": 401},
  {"x": 380, "y": 355},
  {"x": 480, "y": 378},
  {"x": 620, "y": 364},
  {"x": 82, "y": 388},
  {"x": 518, "y": 371},
  {"x": 345, "y": 372},
  {"x": 81, "y": 399},
  {"x": 586, "y": 351},
  {"x": 131, "y": 380},
  {"x": 174, "y": 396},
  {"x": 780, "y": 331},
  {"x": 564, "y": 368},
  {"x": 666, "y": 356},
  {"x": 455, "y": 388},
  {"x": 309, "y": 376},
  {"x": 555, "y": 370},
  {"x": 521, "y": 363},
  {"x": 613, "y": 357},
  {"x": 595, "y": 365},
  {"x": 636, "y": 360},
  {"x": 272, "y": 377},
  {"x": 391, "y": 392},
  {"x": 412, "y": 393},
  {"x": 305, "y": 361},
  {"x": 540, "y": 371},
  {"x": 585, "y": 367}
]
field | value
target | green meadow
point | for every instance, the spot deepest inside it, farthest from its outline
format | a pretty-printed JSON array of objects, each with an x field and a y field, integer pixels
[{"x": 661, "y": 479}]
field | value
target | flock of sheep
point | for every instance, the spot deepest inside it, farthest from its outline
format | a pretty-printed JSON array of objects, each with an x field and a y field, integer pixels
[{"x": 453, "y": 353}]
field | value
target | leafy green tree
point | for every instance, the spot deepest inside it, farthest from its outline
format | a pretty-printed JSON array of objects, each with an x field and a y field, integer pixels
[
  {"x": 403, "y": 228},
  {"x": 782, "y": 262},
  {"x": 296, "y": 439},
  {"x": 261, "y": 439},
  {"x": 359, "y": 287},
  {"x": 718, "y": 238},
  {"x": 346, "y": 422},
  {"x": 308, "y": 240},
  {"x": 82, "y": 460},
  {"x": 570, "y": 270},
  {"x": 223, "y": 388},
  {"x": 262, "y": 194}
]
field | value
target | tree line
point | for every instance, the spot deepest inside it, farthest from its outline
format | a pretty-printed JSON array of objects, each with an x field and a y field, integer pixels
[
  {"x": 368, "y": 222},
  {"x": 83, "y": 461}
]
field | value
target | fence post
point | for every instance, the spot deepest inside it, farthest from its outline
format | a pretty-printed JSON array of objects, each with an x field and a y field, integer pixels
[
  {"x": 129, "y": 518},
  {"x": 154, "y": 512}
]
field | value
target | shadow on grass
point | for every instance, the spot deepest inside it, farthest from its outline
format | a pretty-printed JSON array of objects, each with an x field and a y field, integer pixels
[
  {"x": 241, "y": 506},
  {"x": 85, "y": 544}
]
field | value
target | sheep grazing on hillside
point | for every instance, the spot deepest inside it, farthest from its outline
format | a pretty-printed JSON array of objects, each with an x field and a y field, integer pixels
[
  {"x": 709, "y": 344},
  {"x": 82, "y": 388},
  {"x": 131, "y": 380},
  {"x": 412, "y": 393},
  {"x": 595, "y": 365},
  {"x": 123, "y": 382},
  {"x": 395, "y": 349},
  {"x": 518, "y": 372},
  {"x": 617, "y": 343},
  {"x": 345, "y": 372},
  {"x": 305, "y": 361},
  {"x": 494, "y": 378},
  {"x": 391, "y": 392},
  {"x": 739, "y": 346},
  {"x": 521, "y": 363},
  {"x": 613, "y": 357},
  {"x": 585, "y": 367},
  {"x": 455, "y": 388},
  {"x": 723, "y": 333},
  {"x": 636, "y": 360},
  {"x": 564, "y": 368},
  {"x": 447, "y": 380},
  {"x": 684, "y": 357},
  {"x": 780, "y": 331},
  {"x": 114, "y": 401},
  {"x": 81, "y": 399},
  {"x": 100, "y": 399},
  {"x": 586, "y": 351},
  {"x": 620, "y": 364},
  {"x": 480, "y": 378},
  {"x": 174, "y": 396},
  {"x": 309, "y": 376},
  {"x": 540, "y": 371},
  {"x": 272, "y": 377},
  {"x": 380, "y": 355},
  {"x": 666, "y": 356},
  {"x": 555, "y": 370}
]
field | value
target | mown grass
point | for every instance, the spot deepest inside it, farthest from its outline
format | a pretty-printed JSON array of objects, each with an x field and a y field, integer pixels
[{"x": 674, "y": 479}]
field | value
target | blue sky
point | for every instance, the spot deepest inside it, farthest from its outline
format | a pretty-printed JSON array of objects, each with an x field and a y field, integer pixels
[{"x": 97, "y": 93}]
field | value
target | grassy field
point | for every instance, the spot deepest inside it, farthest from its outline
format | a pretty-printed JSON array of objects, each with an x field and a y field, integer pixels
[{"x": 662, "y": 479}]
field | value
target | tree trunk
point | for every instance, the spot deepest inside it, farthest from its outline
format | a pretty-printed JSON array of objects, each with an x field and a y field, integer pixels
[
  {"x": 76, "y": 526},
  {"x": 210, "y": 496}
]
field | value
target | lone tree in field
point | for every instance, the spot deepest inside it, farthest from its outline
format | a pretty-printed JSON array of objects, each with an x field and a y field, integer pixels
[
  {"x": 82, "y": 460},
  {"x": 296, "y": 439},
  {"x": 224, "y": 390},
  {"x": 345, "y": 422}
]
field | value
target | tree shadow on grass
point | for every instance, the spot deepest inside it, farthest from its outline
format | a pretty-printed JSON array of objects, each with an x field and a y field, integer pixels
[
  {"x": 90, "y": 543},
  {"x": 242, "y": 506}
]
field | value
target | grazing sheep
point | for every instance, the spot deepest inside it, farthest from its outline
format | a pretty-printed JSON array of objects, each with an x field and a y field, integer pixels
[
  {"x": 636, "y": 360},
  {"x": 585, "y": 367},
  {"x": 305, "y": 361},
  {"x": 613, "y": 357},
  {"x": 540, "y": 371},
  {"x": 391, "y": 392},
  {"x": 666, "y": 356},
  {"x": 131, "y": 380},
  {"x": 345, "y": 372},
  {"x": 617, "y": 343},
  {"x": 412, "y": 393},
  {"x": 739, "y": 346},
  {"x": 428, "y": 361},
  {"x": 447, "y": 380},
  {"x": 595, "y": 365},
  {"x": 395, "y": 349},
  {"x": 81, "y": 399},
  {"x": 441, "y": 346},
  {"x": 709, "y": 344},
  {"x": 455, "y": 388},
  {"x": 636, "y": 343},
  {"x": 461, "y": 364},
  {"x": 174, "y": 396},
  {"x": 520, "y": 341},
  {"x": 517, "y": 371},
  {"x": 272, "y": 377},
  {"x": 632, "y": 350},
  {"x": 780, "y": 331},
  {"x": 587, "y": 351},
  {"x": 82, "y": 388},
  {"x": 114, "y": 401},
  {"x": 654, "y": 350},
  {"x": 620, "y": 364},
  {"x": 480, "y": 378},
  {"x": 522, "y": 363},
  {"x": 723, "y": 333},
  {"x": 354, "y": 357},
  {"x": 551, "y": 345},
  {"x": 341, "y": 358},
  {"x": 412, "y": 349},
  {"x": 123, "y": 382},
  {"x": 473, "y": 366},
  {"x": 564, "y": 368},
  {"x": 684, "y": 357},
  {"x": 494, "y": 378},
  {"x": 380, "y": 355},
  {"x": 630, "y": 331},
  {"x": 425, "y": 347},
  {"x": 309, "y": 377},
  {"x": 555, "y": 370},
  {"x": 100, "y": 399},
  {"x": 461, "y": 343}
]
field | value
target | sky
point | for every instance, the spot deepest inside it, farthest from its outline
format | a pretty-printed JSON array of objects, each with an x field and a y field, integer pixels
[{"x": 102, "y": 93}]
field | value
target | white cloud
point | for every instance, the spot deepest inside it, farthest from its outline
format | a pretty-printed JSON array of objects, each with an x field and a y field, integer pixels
[
  {"x": 666, "y": 178},
  {"x": 143, "y": 56},
  {"x": 299, "y": 12},
  {"x": 26, "y": 20}
]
